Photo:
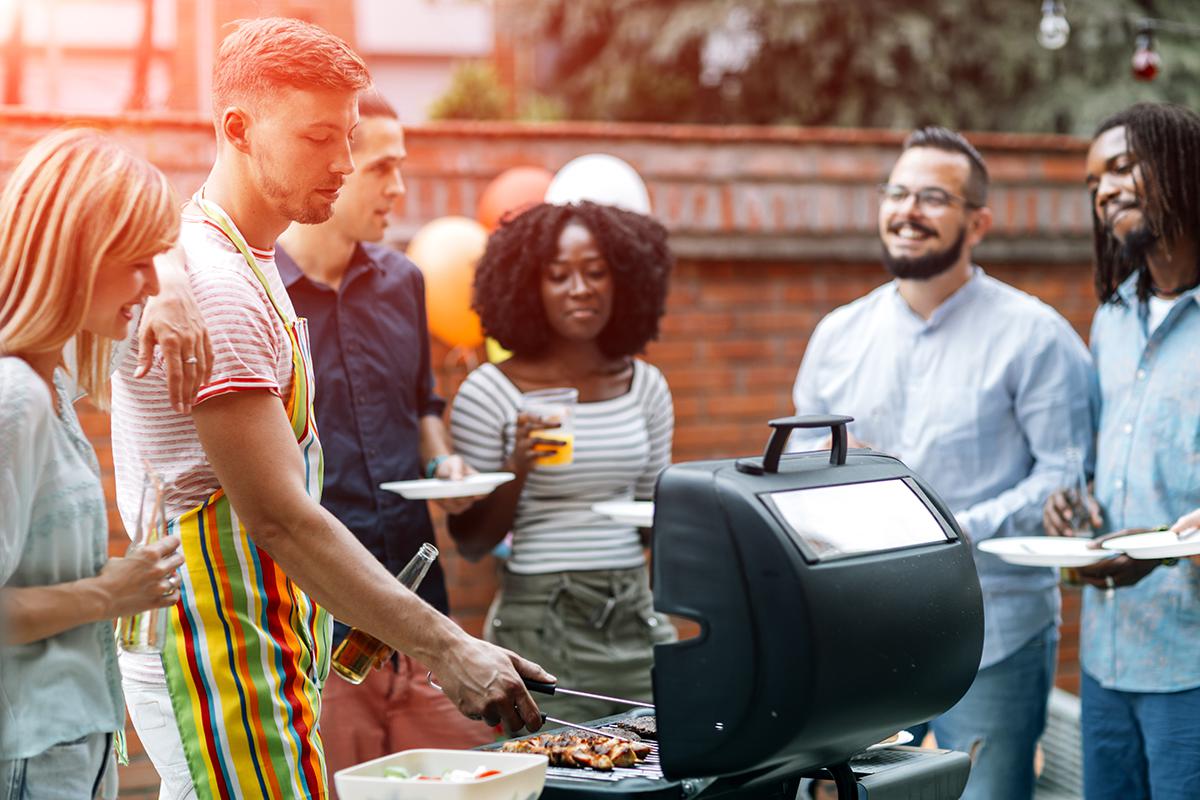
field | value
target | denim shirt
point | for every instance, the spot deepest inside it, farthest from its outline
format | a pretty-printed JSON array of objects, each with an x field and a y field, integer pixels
[
  {"x": 1146, "y": 637},
  {"x": 982, "y": 400},
  {"x": 53, "y": 529}
]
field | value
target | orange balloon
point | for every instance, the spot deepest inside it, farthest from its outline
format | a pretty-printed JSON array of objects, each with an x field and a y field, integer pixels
[
  {"x": 513, "y": 191},
  {"x": 447, "y": 250}
]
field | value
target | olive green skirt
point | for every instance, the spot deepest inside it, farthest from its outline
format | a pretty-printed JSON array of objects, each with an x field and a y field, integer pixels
[{"x": 595, "y": 631}]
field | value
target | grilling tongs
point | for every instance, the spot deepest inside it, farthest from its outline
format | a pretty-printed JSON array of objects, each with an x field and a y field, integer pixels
[{"x": 553, "y": 688}]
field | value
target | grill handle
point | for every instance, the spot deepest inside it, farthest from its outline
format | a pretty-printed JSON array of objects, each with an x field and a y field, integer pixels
[{"x": 783, "y": 428}]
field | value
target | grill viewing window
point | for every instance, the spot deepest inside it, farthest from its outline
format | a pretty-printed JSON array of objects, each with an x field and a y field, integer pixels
[{"x": 872, "y": 517}]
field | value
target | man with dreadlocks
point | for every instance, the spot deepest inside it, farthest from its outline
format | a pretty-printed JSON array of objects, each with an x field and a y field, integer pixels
[{"x": 1140, "y": 633}]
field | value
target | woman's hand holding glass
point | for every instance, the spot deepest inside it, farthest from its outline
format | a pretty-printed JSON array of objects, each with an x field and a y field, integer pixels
[
  {"x": 142, "y": 579},
  {"x": 529, "y": 450}
]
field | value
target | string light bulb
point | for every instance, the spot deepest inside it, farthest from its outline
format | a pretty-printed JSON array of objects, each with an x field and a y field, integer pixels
[
  {"x": 1146, "y": 61},
  {"x": 1054, "y": 29}
]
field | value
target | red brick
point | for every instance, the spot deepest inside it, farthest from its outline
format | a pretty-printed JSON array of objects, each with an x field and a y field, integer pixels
[
  {"x": 1015, "y": 168},
  {"x": 687, "y": 410},
  {"x": 777, "y": 322},
  {"x": 662, "y": 353},
  {"x": 762, "y": 379},
  {"x": 714, "y": 438},
  {"x": 1062, "y": 169},
  {"x": 706, "y": 378},
  {"x": 754, "y": 290},
  {"x": 740, "y": 349},
  {"x": 698, "y": 322},
  {"x": 800, "y": 293},
  {"x": 749, "y": 406}
]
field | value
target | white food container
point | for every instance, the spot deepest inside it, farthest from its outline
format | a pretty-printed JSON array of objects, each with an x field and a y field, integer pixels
[{"x": 522, "y": 776}]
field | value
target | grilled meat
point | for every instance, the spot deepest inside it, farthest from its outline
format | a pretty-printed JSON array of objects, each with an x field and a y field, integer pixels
[
  {"x": 644, "y": 727},
  {"x": 580, "y": 750}
]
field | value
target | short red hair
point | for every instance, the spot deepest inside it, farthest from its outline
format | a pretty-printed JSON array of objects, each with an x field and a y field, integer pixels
[{"x": 265, "y": 54}]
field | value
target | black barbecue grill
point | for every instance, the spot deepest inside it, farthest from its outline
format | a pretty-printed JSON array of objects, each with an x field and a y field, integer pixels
[{"x": 837, "y": 602}]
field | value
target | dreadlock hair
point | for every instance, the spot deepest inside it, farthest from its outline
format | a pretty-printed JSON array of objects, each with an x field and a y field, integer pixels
[
  {"x": 508, "y": 296},
  {"x": 1165, "y": 140}
]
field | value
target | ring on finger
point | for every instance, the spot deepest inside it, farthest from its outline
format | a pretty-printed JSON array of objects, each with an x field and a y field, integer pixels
[
  {"x": 1109, "y": 582},
  {"x": 191, "y": 360}
]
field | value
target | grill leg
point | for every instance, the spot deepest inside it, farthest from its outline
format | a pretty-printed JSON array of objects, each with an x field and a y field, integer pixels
[{"x": 843, "y": 779}]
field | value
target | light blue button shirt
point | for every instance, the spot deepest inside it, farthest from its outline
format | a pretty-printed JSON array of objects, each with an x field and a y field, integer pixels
[
  {"x": 982, "y": 400},
  {"x": 1146, "y": 638},
  {"x": 53, "y": 529}
]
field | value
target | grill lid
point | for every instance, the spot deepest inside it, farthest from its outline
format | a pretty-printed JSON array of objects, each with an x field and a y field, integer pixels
[{"x": 837, "y": 600}]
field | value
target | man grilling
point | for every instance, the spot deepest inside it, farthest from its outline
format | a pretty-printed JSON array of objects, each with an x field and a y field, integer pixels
[
  {"x": 981, "y": 389},
  {"x": 380, "y": 420}
]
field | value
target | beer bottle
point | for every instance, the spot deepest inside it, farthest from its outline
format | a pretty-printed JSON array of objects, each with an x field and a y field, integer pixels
[
  {"x": 360, "y": 652},
  {"x": 1078, "y": 496}
]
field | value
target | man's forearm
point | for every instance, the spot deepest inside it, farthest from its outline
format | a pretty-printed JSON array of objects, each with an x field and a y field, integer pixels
[
  {"x": 435, "y": 439},
  {"x": 252, "y": 449},
  {"x": 325, "y": 560}
]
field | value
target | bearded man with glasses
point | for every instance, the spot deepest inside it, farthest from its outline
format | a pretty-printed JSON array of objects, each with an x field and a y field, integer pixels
[{"x": 981, "y": 389}]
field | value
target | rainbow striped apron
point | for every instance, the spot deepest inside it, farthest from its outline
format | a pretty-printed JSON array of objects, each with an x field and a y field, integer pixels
[{"x": 249, "y": 650}]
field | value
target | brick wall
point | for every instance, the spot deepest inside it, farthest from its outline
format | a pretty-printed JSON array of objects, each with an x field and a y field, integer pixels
[{"x": 773, "y": 227}]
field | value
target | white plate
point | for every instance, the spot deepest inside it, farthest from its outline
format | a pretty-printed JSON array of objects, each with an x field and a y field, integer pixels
[
  {"x": 1044, "y": 551},
  {"x": 522, "y": 776},
  {"x": 639, "y": 513},
  {"x": 1156, "y": 544},
  {"x": 902, "y": 737},
  {"x": 438, "y": 489}
]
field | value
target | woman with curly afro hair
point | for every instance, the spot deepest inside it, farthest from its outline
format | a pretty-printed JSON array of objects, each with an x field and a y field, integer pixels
[{"x": 575, "y": 292}]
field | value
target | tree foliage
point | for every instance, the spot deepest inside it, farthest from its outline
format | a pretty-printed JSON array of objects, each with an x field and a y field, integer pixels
[
  {"x": 475, "y": 92},
  {"x": 863, "y": 63}
]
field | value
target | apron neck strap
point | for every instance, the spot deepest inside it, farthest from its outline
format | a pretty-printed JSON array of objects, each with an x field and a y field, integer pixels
[{"x": 218, "y": 217}]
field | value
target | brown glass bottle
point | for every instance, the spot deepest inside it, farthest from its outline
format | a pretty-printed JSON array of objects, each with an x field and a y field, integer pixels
[{"x": 360, "y": 652}]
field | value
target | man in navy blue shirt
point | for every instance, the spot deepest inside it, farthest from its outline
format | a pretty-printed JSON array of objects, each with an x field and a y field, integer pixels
[{"x": 380, "y": 420}]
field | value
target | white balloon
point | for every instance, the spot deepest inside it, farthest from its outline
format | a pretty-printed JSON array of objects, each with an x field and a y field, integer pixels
[{"x": 602, "y": 179}]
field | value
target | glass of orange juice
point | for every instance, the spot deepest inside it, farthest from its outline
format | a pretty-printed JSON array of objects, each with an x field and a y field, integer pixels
[{"x": 557, "y": 405}]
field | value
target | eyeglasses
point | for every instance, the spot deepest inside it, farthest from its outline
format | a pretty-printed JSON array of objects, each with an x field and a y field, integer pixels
[{"x": 931, "y": 199}]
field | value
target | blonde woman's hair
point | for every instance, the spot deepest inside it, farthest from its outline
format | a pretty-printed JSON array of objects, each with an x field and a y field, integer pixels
[{"x": 78, "y": 199}]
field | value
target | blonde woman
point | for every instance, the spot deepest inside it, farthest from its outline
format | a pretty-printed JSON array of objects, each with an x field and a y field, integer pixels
[{"x": 82, "y": 221}]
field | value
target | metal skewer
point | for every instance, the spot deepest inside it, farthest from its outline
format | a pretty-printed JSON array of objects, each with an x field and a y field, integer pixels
[
  {"x": 553, "y": 689},
  {"x": 556, "y": 720},
  {"x": 585, "y": 728}
]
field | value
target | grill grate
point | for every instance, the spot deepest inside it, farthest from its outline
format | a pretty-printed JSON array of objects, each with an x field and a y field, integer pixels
[{"x": 648, "y": 768}]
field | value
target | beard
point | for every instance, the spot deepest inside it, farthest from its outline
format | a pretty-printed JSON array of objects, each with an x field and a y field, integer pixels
[
  {"x": 1137, "y": 245},
  {"x": 288, "y": 205},
  {"x": 930, "y": 265}
]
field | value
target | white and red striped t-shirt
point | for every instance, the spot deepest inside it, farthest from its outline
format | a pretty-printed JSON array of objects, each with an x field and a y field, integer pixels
[{"x": 251, "y": 351}]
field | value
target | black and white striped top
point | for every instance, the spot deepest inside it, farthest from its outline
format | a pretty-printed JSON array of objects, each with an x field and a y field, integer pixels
[{"x": 620, "y": 447}]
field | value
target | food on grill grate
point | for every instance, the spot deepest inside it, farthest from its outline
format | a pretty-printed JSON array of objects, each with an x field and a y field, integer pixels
[
  {"x": 578, "y": 750},
  {"x": 644, "y": 727}
]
